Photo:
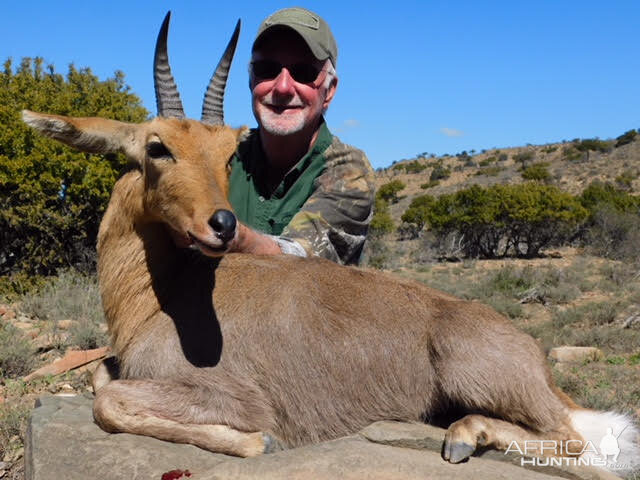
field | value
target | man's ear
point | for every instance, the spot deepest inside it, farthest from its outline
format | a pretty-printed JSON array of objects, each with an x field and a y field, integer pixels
[{"x": 331, "y": 91}]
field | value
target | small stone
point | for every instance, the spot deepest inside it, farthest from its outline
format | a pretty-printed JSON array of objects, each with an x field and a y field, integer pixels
[
  {"x": 65, "y": 324},
  {"x": 49, "y": 341},
  {"x": 22, "y": 325},
  {"x": 576, "y": 354}
]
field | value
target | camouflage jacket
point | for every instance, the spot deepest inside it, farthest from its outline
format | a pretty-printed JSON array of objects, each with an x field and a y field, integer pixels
[{"x": 323, "y": 206}]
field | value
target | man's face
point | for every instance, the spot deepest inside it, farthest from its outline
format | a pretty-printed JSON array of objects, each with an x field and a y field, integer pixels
[{"x": 284, "y": 105}]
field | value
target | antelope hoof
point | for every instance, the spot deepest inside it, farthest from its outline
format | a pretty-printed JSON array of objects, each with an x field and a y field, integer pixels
[
  {"x": 457, "y": 452},
  {"x": 271, "y": 444},
  {"x": 459, "y": 442}
]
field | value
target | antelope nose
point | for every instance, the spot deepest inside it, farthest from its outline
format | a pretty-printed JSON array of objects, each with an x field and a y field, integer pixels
[{"x": 223, "y": 223}]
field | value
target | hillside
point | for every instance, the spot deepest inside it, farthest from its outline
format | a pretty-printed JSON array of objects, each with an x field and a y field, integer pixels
[{"x": 572, "y": 167}]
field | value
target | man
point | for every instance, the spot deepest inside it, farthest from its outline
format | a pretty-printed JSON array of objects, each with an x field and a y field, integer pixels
[{"x": 296, "y": 188}]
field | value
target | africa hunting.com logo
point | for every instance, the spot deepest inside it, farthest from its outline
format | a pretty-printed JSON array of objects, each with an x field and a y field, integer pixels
[{"x": 545, "y": 453}]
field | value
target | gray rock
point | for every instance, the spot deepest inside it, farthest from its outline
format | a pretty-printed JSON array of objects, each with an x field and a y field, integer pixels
[
  {"x": 64, "y": 442},
  {"x": 353, "y": 458}
]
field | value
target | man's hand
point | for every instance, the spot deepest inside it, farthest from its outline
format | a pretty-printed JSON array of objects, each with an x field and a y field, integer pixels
[{"x": 250, "y": 241}]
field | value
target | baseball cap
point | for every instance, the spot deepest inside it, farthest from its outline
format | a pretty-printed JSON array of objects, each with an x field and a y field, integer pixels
[{"x": 310, "y": 26}]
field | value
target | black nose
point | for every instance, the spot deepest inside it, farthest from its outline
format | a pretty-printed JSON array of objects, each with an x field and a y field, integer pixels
[{"x": 223, "y": 223}]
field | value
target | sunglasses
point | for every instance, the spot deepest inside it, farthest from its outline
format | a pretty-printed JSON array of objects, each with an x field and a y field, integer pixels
[{"x": 270, "y": 69}]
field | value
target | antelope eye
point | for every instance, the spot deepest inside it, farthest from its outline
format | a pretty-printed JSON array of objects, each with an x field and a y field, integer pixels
[{"x": 157, "y": 150}]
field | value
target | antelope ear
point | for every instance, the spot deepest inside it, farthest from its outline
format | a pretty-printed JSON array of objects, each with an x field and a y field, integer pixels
[
  {"x": 91, "y": 134},
  {"x": 241, "y": 133}
]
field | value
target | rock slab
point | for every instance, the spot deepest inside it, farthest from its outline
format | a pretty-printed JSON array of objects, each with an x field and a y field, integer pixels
[{"x": 64, "y": 442}]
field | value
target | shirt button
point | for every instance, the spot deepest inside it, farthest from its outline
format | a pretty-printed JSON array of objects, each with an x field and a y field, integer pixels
[{"x": 261, "y": 198}]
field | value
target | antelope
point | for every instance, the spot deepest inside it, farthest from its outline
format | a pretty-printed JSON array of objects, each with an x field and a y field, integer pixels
[{"x": 244, "y": 354}]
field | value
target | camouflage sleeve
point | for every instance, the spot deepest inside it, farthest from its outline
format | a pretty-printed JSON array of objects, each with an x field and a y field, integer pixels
[{"x": 334, "y": 220}]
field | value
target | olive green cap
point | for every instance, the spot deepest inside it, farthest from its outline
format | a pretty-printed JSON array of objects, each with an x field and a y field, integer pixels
[{"x": 310, "y": 26}]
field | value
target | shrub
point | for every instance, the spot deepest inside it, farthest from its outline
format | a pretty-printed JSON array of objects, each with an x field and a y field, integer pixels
[
  {"x": 612, "y": 233},
  {"x": 593, "y": 144},
  {"x": 490, "y": 171},
  {"x": 503, "y": 157},
  {"x": 625, "y": 138},
  {"x": 416, "y": 215},
  {"x": 439, "y": 172},
  {"x": 410, "y": 167},
  {"x": 523, "y": 157},
  {"x": 502, "y": 218},
  {"x": 69, "y": 295},
  {"x": 625, "y": 179},
  {"x": 487, "y": 161},
  {"x": 537, "y": 172},
  {"x": 430, "y": 184},
  {"x": 53, "y": 197},
  {"x": 389, "y": 191},
  {"x": 549, "y": 149},
  {"x": 16, "y": 352},
  {"x": 381, "y": 223},
  {"x": 570, "y": 154},
  {"x": 13, "y": 423},
  {"x": 598, "y": 194}
]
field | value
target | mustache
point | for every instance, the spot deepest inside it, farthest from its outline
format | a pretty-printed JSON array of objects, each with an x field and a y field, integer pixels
[{"x": 277, "y": 101}]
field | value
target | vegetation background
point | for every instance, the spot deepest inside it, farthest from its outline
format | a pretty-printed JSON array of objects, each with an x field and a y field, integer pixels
[{"x": 548, "y": 235}]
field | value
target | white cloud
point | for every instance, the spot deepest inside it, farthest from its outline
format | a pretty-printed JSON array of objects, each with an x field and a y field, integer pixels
[
  {"x": 348, "y": 124},
  {"x": 451, "y": 132}
]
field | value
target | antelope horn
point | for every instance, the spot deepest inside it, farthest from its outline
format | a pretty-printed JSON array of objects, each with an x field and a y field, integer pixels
[
  {"x": 212, "y": 108},
  {"x": 167, "y": 96}
]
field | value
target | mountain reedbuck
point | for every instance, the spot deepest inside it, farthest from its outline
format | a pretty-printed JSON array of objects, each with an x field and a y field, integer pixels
[{"x": 244, "y": 354}]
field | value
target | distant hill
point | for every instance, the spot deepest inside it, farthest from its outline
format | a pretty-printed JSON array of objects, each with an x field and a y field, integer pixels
[{"x": 570, "y": 165}]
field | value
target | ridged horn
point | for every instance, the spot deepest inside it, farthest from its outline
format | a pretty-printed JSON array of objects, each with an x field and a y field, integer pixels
[
  {"x": 167, "y": 96},
  {"x": 212, "y": 107}
]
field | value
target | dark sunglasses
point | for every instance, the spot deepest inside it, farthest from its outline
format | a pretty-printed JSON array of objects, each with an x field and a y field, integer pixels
[{"x": 269, "y": 69}]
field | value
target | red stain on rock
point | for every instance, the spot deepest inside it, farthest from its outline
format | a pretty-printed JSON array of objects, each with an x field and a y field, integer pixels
[{"x": 175, "y": 474}]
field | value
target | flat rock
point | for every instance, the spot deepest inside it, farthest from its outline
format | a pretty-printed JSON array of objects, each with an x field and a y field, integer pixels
[
  {"x": 576, "y": 354},
  {"x": 64, "y": 442}
]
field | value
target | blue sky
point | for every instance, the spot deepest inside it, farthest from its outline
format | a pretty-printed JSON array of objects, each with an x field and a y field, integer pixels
[{"x": 437, "y": 76}]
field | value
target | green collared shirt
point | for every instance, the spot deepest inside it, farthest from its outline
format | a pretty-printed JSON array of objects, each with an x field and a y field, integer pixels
[
  {"x": 261, "y": 207},
  {"x": 324, "y": 203}
]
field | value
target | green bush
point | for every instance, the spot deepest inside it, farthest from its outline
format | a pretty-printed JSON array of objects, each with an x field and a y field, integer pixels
[
  {"x": 599, "y": 193},
  {"x": 625, "y": 138},
  {"x": 500, "y": 219},
  {"x": 389, "y": 191},
  {"x": 593, "y": 144},
  {"x": 487, "y": 161},
  {"x": 523, "y": 157},
  {"x": 430, "y": 184},
  {"x": 625, "y": 179},
  {"x": 416, "y": 215},
  {"x": 381, "y": 223},
  {"x": 410, "y": 167},
  {"x": 537, "y": 172},
  {"x": 439, "y": 172},
  {"x": 490, "y": 171},
  {"x": 53, "y": 197}
]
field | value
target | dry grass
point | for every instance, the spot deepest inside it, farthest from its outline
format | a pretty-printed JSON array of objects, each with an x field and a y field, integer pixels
[{"x": 572, "y": 300}]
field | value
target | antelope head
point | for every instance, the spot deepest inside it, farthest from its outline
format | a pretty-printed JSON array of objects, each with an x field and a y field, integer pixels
[{"x": 183, "y": 163}]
